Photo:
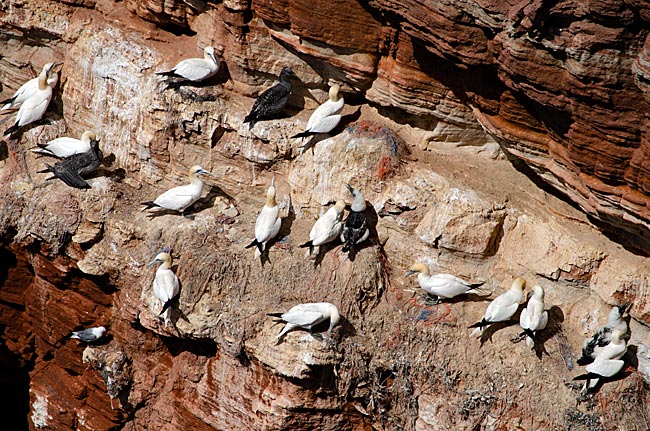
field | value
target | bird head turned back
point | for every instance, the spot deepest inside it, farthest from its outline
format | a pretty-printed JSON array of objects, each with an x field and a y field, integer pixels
[
  {"x": 538, "y": 291},
  {"x": 519, "y": 284},
  {"x": 339, "y": 206},
  {"x": 88, "y": 135}
]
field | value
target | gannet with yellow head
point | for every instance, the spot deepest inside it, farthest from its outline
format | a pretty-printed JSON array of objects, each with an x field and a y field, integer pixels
[
  {"x": 307, "y": 316},
  {"x": 268, "y": 222},
  {"x": 30, "y": 88},
  {"x": 327, "y": 228},
  {"x": 327, "y": 116},
  {"x": 165, "y": 284},
  {"x": 502, "y": 308},
  {"x": 181, "y": 197},
  {"x": 195, "y": 69},
  {"x": 533, "y": 318},
  {"x": 66, "y": 146},
  {"x": 442, "y": 285}
]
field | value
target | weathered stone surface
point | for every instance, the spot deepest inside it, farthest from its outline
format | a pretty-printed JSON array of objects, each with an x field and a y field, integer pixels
[{"x": 564, "y": 87}]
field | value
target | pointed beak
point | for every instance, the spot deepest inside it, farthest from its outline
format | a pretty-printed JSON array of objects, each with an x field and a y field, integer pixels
[
  {"x": 409, "y": 273},
  {"x": 204, "y": 172},
  {"x": 350, "y": 188},
  {"x": 625, "y": 308},
  {"x": 153, "y": 262},
  {"x": 273, "y": 181}
]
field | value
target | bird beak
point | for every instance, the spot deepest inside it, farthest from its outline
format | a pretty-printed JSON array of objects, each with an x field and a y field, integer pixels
[
  {"x": 153, "y": 262},
  {"x": 409, "y": 273},
  {"x": 204, "y": 172},
  {"x": 625, "y": 308},
  {"x": 350, "y": 188}
]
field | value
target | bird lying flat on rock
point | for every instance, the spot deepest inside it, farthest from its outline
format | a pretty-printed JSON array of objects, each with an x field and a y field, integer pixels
[
  {"x": 355, "y": 230},
  {"x": 502, "y": 308},
  {"x": 182, "y": 197},
  {"x": 268, "y": 222},
  {"x": 533, "y": 318},
  {"x": 30, "y": 88},
  {"x": 601, "y": 338},
  {"x": 326, "y": 117},
  {"x": 35, "y": 106},
  {"x": 443, "y": 285},
  {"x": 89, "y": 335},
  {"x": 195, "y": 69},
  {"x": 307, "y": 316},
  {"x": 327, "y": 228},
  {"x": 65, "y": 146},
  {"x": 272, "y": 101},
  {"x": 71, "y": 169},
  {"x": 165, "y": 285}
]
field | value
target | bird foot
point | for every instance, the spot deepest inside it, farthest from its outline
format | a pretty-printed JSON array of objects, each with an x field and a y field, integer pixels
[
  {"x": 431, "y": 300},
  {"x": 518, "y": 338}
]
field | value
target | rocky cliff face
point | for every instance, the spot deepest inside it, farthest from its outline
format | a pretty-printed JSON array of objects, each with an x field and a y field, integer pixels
[{"x": 465, "y": 124}]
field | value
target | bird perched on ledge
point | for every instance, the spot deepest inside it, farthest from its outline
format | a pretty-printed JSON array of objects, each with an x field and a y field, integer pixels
[
  {"x": 327, "y": 228},
  {"x": 65, "y": 146},
  {"x": 268, "y": 222},
  {"x": 601, "y": 338},
  {"x": 182, "y": 197},
  {"x": 607, "y": 362},
  {"x": 442, "y": 285},
  {"x": 272, "y": 101},
  {"x": 30, "y": 88},
  {"x": 195, "y": 69},
  {"x": 355, "y": 229},
  {"x": 533, "y": 318},
  {"x": 70, "y": 169},
  {"x": 502, "y": 308},
  {"x": 326, "y": 117},
  {"x": 35, "y": 106},
  {"x": 307, "y": 316},
  {"x": 165, "y": 285}
]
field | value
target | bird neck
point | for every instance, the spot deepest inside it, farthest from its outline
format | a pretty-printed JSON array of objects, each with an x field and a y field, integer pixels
[
  {"x": 359, "y": 204},
  {"x": 196, "y": 181},
  {"x": 42, "y": 81}
]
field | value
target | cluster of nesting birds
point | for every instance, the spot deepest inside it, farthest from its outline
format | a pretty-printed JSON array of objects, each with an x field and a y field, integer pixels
[{"x": 601, "y": 353}]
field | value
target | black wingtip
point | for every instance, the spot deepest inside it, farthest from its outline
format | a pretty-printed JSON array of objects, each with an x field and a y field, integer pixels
[
  {"x": 305, "y": 245},
  {"x": 165, "y": 307},
  {"x": 279, "y": 315},
  {"x": 11, "y": 130},
  {"x": 148, "y": 205},
  {"x": 584, "y": 360},
  {"x": 169, "y": 73},
  {"x": 529, "y": 333},
  {"x": 255, "y": 243},
  {"x": 302, "y": 135},
  {"x": 480, "y": 324}
]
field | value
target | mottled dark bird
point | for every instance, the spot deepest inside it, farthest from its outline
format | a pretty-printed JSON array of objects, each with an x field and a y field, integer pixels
[
  {"x": 355, "y": 229},
  {"x": 71, "y": 169},
  {"x": 272, "y": 101},
  {"x": 602, "y": 337}
]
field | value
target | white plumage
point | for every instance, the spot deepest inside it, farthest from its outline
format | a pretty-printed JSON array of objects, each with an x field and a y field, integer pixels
[
  {"x": 181, "y": 197},
  {"x": 442, "y": 285},
  {"x": 327, "y": 116},
  {"x": 308, "y": 315},
  {"x": 195, "y": 69},
  {"x": 327, "y": 228},
  {"x": 30, "y": 88},
  {"x": 607, "y": 363},
  {"x": 165, "y": 284},
  {"x": 502, "y": 307},
  {"x": 66, "y": 146},
  {"x": 533, "y": 318},
  {"x": 35, "y": 106},
  {"x": 90, "y": 334},
  {"x": 601, "y": 338},
  {"x": 268, "y": 222}
]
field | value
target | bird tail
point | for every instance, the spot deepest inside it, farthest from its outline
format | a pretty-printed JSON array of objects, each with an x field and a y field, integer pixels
[
  {"x": 74, "y": 336},
  {"x": 483, "y": 323},
  {"x": 302, "y": 134},
  {"x": 528, "y": 333},
  {"x": 48, "y": 168},
  {"x": 165, "y": 307},
  {"x": 12, "y": 129},
  {"x": 169, "y": 73},
  {"x": 278, "y": 315},
  {"x": 308, "y": 244},
  {"x": 586, "y": 376},
  {"x": 347, "y": 246},
  {"x": 256, "y": 243},
  {"x": 148, "y": 205}
]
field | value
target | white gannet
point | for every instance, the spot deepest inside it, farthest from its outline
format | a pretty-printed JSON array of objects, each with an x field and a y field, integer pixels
[
  {"x": 271, "y": 101},
  {"x": 195, "y": 69},
  {"x": 30, "y": 88},
  {"x": 71, "y": 169},
  {"x": 35, "y": 106},
  {"x": 502, "y": 307},
  {"x": 533, "y": 318},
  {"x": 327, "y": 228},
  {"x": 327, "y": 116},
  {"x": 268, "y": 222},
  {"x": 307, "y": 316},
  {"x": 607, "y": 363},
  {"x": 181, "y": 197},
  {"x": 65, "y": 146},
  {"x": 165, "y": 284},
  {"x": 594, "y": 344},
  {"x": 89, "y": 335},
  {"x": 355, "y": 229},
  {"x": 442, "y": 285}
]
